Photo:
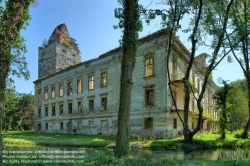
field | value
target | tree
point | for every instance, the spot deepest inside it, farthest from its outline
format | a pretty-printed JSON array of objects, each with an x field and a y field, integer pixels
[
  {"x": 129, "y": 20},
  {"x": 208, "y": 18},
  {"x": 12, "y": 19},
  {"x": 240, "y": 30},
  {"x": 221, "y": 96}
]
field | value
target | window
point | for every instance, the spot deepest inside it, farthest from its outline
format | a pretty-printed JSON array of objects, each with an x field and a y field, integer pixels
[
  {"x": 46, "y": 94},
  {"x": 91, "y": 82},
  {"x": 104, "y": 82},
  {"x": 104, "y": 103},
  {"x": 79, "y": 106},
  {"x": 61, "y": 125},
  {"x": 39, "y": 126},
  {"x": 149, "y": 67},
  {"x": 39, "y": 112},
  {"x": 175, "y": 123},
  {"x": 39, "y": 95},
  {"x": 69, "y": 88},
  {"x": 61, "y": 108},
  {"x": 148, "y": 123},
  {"x": 46, "y": 111},
  {"x": 53, "y": 110},
  {"x": 46, "y": 126},
  {"x": 79, "y": 86},
  {"x": 53, "y": 92},
  {"x": 70, "y": 108},
  {"x": 61, "y": 90},
  {"x": 149, "y": 97},
  {"x": 91, "y": 105}
]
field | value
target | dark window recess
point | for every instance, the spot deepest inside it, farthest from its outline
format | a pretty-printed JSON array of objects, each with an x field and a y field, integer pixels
[
  {"x": 149, "y": 97},
  {"x": 148, "y": 123},
  {"x": 39, "y": 112},
  {"x": 39, "y": 126},
  {"x": 70, "y": 108},
  {"x": 46, "y": 126},
  {"x": 91, "y": 105},
  {"x": 46, "y": 111},
  {"x": 175, "y": 123},
  {"x": 53, "y": 110},
  {"x": 61, "y": 109},
  {"x": 79, "y": 106},
  {"x": 61, "y": 125}
]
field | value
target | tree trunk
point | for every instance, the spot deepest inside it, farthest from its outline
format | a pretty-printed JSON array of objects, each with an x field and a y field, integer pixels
[
  {"x": 131, "y": 16},
  {"x": 247, "y": 127}
]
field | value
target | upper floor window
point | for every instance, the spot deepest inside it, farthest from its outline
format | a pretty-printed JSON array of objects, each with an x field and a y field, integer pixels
[
  {"x": 149, "y": 67},
  {"x": 39, "y": 112},
  {"x": 91, "y": 82},
  {"x": 70, "y": 108},
  {"x": 53, "y": 110},
  {"x": 69, "y": 89},
  {"x": 149, "y": 95},
  {"x": 104, "y": 82},
  {"x": 91, "y": 105},
  {"x": 60, "y": 90},
  {"x": 39, "y": 95},
  {"x": 53, "y": 92},
  {"x": 79, "y": 86},
  {"x": 46, "y": 111},
  {"x": 46, "y": 94},
  {"x": 79, "y": 106},
  {"x": 61, "y": 108}
]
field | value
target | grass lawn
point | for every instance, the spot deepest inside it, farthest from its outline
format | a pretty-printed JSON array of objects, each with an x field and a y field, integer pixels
[{"x": 203, "y": 140}]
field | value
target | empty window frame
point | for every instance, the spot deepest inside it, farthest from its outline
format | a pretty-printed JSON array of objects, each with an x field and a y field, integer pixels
[
  {"x": 91, "y": 105},
  {"x": 149, "y": 96},
  {"x": 39, "y": 126},
  {"x": 61, "y": 108},
  {"x": 60, "y": 90},
  {"x": 148, "y": 123},
  {"x": 104, "y": 103},
  {"x": 149, "y": 66},
  {"x": 53, "y": 110},
  {"x": 70, "y": 108},
  {"x": 69, "y": 88},
  {"x": 46, "y": 94},
  {"x": 79, "y": 106},
  {"x": 53, "y": 92},
  {"x": 91, "y": 82},
  {"x": 79, "y": 86},
  {"x": 175, "y": 123},
  {"x": 104, "y": 79},
  {"x": 39, "y": 112},
  {"x": 46, "y": 111}
]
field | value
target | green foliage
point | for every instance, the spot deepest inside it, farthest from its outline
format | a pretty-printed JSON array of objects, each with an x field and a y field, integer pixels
[
  {"x": 66, "y": 44},
  {"x": 238, "y": 133}
]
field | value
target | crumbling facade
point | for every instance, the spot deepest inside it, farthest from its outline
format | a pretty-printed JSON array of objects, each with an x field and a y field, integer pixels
[{"x": 83, "y": 97}]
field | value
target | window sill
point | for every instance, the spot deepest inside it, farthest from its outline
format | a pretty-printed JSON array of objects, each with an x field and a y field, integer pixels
[{"x": 149, "y": 77}]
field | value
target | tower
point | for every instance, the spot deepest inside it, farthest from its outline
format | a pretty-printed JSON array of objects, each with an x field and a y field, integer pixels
[{"x": 59, "y": 52}]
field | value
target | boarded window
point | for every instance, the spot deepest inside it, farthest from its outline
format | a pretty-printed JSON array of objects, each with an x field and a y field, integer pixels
[
  {"x": 61, "y": 109},
  {"x": 53, "y": 110},
  {"x": 175, "y": 123},
  {"x": 46, "y": 94},
  {"x": 79, "y": 106},
  {"x": 79, "y": 86},
  {"x": 53, "y": 92},
  {"x": 104, "y": 82},
  {"x": 61, "y": 90},
  {"x": 70, "y": 108},
  {"x": 149, "y": 97},
  {"x": 46, "y": 111},
  {"x": 69, "y": 89},
  {"x": 91, "y": 105},
  {"x": 104, "y": 103},
  {"x": 91, "y": 82},
  {"x": 148, "y": 123},
  {"x": 149, "y": 67}
]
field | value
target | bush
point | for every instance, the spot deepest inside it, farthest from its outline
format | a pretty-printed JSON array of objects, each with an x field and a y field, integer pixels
[{"x": 238, "y": 133}]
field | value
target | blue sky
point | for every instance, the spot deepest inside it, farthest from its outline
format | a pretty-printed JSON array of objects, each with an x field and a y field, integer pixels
[{"x": 91, "y": 24}]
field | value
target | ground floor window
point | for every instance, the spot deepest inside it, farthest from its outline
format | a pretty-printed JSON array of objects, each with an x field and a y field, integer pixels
[
  {"x": 61, "y": 109},
  {"x": 175, "y": 123},
  {"x": 39, "y": 126},
  {"x": 79, "y": 106},
  {"x": 104, "y": 103},
  {"x": 91, "y": 105},
  {"x": 61, "y": 125},
  {"x": 148, "y": 123},
  {"x": 46, "y": 126},
  {"x": 70, "y": 108},
  {"x": 53, "y": 110}
]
